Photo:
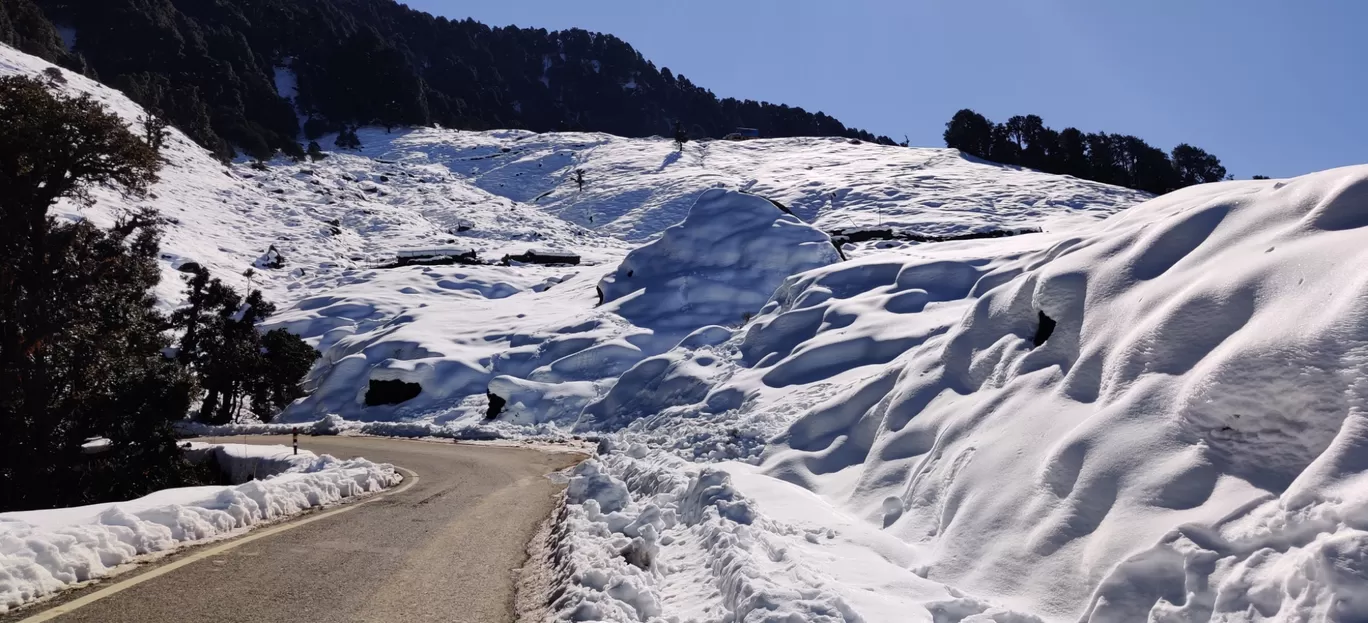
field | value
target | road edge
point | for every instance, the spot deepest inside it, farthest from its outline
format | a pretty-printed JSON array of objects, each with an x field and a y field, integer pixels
[{"x": 205, "y": 550}]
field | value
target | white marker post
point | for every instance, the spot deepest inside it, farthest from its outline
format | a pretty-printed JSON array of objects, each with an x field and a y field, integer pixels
[{"x": 295, "y": 430}]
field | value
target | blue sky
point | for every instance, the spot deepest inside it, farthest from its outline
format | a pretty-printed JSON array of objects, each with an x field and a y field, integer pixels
[{"x": 1271, "y": 87}]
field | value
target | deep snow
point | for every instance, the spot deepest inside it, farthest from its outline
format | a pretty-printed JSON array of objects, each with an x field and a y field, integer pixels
[{"x": 880, "y": 438}]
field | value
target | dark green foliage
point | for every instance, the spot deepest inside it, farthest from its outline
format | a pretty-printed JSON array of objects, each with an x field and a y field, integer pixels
[
  {"x": 1259, "y": 177},
  {"x": 681, "y": 136},
  {"x": 237, "y": 366},
  {"x": 970, "y": 133},
  {"x": 80, "y": 338},
  {"x": 347, "y": 139},
  {"x": 1108, "y": 158},
  {"x": 294, "y": 151},
  {"x": 24, "y": 27},
  {"x": 154, "y": 129},
  {"x": 1195, "y": 166},
  {"x": 210, "y": 68},
  {"x": 315, "y": 152}
]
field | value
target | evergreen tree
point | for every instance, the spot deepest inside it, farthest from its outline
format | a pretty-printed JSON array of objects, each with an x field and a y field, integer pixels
[
  {"x": 347, "y": 139},
  {"x": 315, "y": 152},
  {"x": 680, "y": 136},
  {"x": 237, "y": 367},
  {"x": 1196, "y": 166},
  {"x": 294, "y": 151},
  {"x": 80, "y": 338},
  {"x": 1259, "y": 177},
  {"x": 154, "y": 129},
  {"x": 970, "y": 133}
]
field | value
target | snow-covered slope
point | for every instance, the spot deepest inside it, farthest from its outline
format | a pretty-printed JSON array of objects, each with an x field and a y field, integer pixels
[
  {"x": 1151, "y": 413},
  {"x": 635, "y": 188},
  {"x": 1157, "y": 417},
  {"x": 330, "y": 220}
]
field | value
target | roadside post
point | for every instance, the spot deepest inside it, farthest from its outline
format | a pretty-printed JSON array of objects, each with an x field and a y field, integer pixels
[{"x": 295, "y": 431}]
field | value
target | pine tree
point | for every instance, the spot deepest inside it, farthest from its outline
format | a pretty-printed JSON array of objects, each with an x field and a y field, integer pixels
[
  {"x": 1196, "y": 166},
  {"x": 347, "y": 139},
  {"x": 238, "y": 368},
  {"x": 680, "y": 136},
  {"x": 970, "y": 133},
  {"x": 155, "y": 129},
  {"x": 315, "y": 152}
]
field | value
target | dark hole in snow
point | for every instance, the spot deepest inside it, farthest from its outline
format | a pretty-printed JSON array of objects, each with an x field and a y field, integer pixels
[
  {"x": 391, "y": 392},
  {"x": 496, "y": 404},
  {"x": 1046, "y": 328},
  {"x": 637, "y": 554}
]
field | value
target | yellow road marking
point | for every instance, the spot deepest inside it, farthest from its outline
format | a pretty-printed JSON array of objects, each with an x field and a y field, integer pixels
[{"x": 410, "y": 479}]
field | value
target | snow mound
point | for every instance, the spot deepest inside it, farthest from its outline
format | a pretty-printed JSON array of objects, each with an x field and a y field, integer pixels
[
  {"x": 41, "y": 552},
  {"x": 647, "y": 536},
  {"x": 1159, "y": 417},
  {"x": 718, "y": 266}
]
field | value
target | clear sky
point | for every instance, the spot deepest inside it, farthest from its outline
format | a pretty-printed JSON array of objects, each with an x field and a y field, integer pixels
[{"x": 1271, "y": 87}]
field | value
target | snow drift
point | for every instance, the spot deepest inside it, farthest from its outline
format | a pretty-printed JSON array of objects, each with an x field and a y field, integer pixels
[
  {"x": 718, "y": 266},
  {"x": 1159, "y": 417},
  {"x": 43, "y": 551}
]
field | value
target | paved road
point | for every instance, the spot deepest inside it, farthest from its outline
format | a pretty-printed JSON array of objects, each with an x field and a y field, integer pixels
[{"x": 443, "y": 550}]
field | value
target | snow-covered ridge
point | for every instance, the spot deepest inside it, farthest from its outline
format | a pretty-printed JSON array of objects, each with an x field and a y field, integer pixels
[{"x": 43, "y": 551}]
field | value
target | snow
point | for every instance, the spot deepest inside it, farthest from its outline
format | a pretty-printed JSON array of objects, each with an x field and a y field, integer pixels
[
  {"x": 44, "y": 551},
  {"x": 718, "y": 266},
  {"x": 789, "y": 435}
]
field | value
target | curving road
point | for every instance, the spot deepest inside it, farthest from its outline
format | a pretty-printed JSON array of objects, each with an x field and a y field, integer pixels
[{"x": 445, "y": 549}]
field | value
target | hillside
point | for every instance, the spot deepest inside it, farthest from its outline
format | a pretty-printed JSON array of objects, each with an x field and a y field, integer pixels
[
  {"x": 1151, "y": 410},
  {"x": 249, "y": 76}
]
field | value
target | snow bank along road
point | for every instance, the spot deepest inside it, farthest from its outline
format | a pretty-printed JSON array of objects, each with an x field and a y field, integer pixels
[{"x": 445, "y": 549}]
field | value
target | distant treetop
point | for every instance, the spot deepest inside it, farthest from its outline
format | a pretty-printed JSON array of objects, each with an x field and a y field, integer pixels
[{"x": 1109, "y": 158}]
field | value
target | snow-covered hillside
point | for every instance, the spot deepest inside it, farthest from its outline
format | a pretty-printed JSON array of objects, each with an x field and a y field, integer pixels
[
  {"x": 1150, "y": 413},
  {"x": 635, "y": 188}
]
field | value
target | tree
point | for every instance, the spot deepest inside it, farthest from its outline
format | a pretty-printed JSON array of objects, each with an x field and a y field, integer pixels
[
  {"x": 680, "y": 136},
  {"x": 80, "y": 337},
  {"x": 1108, "y": 158},
  {"x": 1196, "y": 166},
  {"x": 315, "y": 152},
  {"x": 970, "y": 133},
  {"x": 1072, "y": 154},
  {"x": 347, "y": 139},
  {"x": 1259, "y": 177},
  {"x": 238, "y": 368},
  {"x": 54, "y": 76},
  {"x": 579, "y": 178},
  {"x": 294, "y": 151},
  {"x": 155, "y": 129}
]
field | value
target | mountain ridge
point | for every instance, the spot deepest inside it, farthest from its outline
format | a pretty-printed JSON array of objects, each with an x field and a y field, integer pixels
[{"x": 213, "y": 69}]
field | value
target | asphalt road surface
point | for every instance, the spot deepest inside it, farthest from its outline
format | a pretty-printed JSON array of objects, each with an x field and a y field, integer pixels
[{"x": 445, "y": 549}]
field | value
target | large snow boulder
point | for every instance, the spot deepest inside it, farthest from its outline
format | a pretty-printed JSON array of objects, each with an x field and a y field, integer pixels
[{"x": 719, "y": 266}]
